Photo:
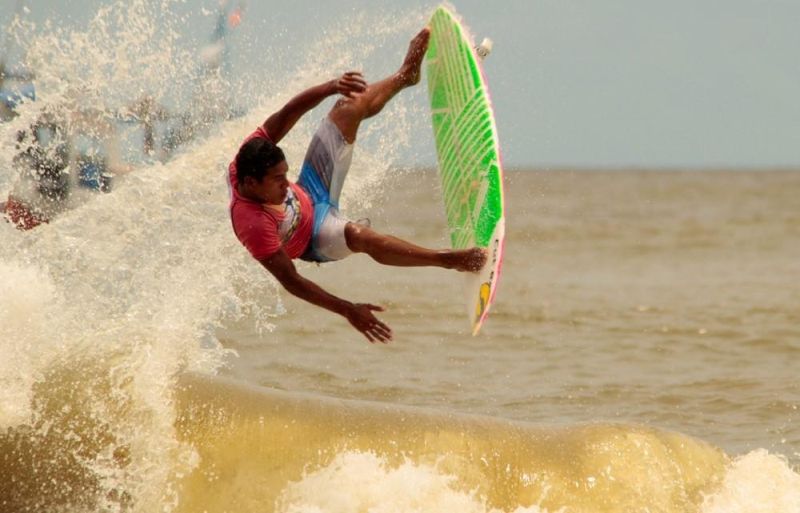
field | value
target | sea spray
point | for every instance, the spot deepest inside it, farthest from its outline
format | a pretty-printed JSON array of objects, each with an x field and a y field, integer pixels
[
  {"x": 27, "y": 313},
  {"x": 105, "y": 306}
]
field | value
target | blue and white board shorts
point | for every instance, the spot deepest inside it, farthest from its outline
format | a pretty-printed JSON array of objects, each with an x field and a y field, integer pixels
[{"x": 322, "y": 176}]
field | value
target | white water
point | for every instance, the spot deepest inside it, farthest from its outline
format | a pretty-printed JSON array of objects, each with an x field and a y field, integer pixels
[
  {"x": 357, "y": 481},
  {"x": 757, "y": 482},
  {"x": 106, "y": 305}
]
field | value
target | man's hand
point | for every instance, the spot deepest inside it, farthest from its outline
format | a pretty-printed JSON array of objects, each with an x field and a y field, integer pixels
[
  {"x": 349, "y": 84},
  {"x": 278, "y": 124},
  {"x": 361, "y": 317}
]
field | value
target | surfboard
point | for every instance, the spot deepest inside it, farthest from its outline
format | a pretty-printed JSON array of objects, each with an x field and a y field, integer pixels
[{"x": 468, "y": 151}]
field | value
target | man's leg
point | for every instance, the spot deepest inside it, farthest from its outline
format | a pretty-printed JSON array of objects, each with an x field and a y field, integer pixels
[
  {"x": 348, "y": 113},
  {"x": 390, "y": 250}
]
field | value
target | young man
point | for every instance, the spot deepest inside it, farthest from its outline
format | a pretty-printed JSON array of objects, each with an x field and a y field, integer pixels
[{"x": 277, "y": 220}]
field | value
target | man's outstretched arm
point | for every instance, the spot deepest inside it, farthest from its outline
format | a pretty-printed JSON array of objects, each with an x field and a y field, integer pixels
[
  {"x": 279, "y": 123},
  {"x": 358, "y": 314}
]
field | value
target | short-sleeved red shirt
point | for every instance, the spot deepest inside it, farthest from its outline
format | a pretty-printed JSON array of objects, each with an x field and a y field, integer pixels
[{"x": 264, "y": 229}]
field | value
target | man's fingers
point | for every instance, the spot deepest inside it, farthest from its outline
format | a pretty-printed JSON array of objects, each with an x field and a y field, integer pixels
[
  {"x": 386, "y": 335},
  {"x": 377, "y": 332},
  {"x": 350, "y": 87},
  {"x": 359, "y": 81},
  {"x": 369, "y": 325},
  {"x": 351, "y": 90},
  {"x": 381, "y": 335},
  {"x": 354, "y": 75},
  {"x": 384, "y": 328},
  {"x": 353, "y": 80},
  {"x": 377, "y": 335}
]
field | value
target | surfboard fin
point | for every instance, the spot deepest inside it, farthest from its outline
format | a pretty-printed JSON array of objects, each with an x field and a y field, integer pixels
[{"x": 485, "y": 48}]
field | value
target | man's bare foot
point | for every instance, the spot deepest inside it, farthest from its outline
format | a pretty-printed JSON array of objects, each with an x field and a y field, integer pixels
[
  {"x": 466, "y": 260},
  {"x": 410, "y": 71}
]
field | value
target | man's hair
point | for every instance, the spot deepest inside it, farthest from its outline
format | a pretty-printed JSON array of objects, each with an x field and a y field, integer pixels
[{"x": 255, "y": 157}]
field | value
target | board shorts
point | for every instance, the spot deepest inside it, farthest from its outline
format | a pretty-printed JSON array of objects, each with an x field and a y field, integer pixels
[{"x": 322, "y": 176}]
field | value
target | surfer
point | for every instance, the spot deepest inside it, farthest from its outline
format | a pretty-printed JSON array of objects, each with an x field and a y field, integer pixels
[{"x": 278, "y": 220}]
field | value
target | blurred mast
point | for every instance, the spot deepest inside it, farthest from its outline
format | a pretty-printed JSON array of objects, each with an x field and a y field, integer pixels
[{"x": 215, "y": 55}]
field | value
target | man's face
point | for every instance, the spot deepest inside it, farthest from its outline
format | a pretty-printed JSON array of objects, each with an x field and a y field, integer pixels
[{"x": 272, "y": 189}]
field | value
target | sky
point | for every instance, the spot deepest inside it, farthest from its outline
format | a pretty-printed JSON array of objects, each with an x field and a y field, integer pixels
[{"x": 588, "y": 83}]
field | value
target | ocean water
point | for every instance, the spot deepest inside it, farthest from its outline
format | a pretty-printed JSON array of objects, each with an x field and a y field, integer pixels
[
  {"x": 641, "y": 354},
  {"x": 629, "y": 299}
]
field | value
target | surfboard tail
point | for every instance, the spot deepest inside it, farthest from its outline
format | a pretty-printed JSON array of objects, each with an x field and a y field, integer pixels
[{"x": 486, "y": 282}]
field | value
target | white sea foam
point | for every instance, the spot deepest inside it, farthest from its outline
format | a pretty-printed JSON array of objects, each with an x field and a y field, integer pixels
[
  {"x": 108, "y": 303},
  {"x": 757, "y": 482},
  {"x": 28, "y": 319},
  {"x": 358, "y": 481}
]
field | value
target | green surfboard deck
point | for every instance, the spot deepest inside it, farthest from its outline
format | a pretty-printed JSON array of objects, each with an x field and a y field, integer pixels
[{"x": 467, "y": 147}]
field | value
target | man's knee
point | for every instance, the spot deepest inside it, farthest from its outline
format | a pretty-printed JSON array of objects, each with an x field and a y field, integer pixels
[
  {"x": 347, "y": 116},
  {"x": 354, "y": 236},
  {"x": 347, "y": 107},
  {"x": 360, "y": 238},
  {"x": 354, "y": 109}
]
